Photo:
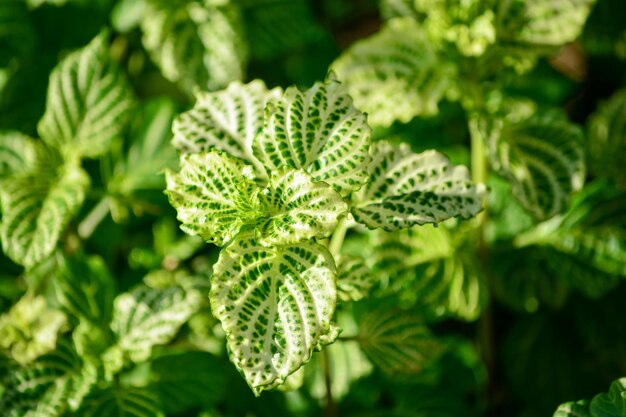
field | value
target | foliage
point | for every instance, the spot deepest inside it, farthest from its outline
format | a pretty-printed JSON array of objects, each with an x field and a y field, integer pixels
[{"x": 199, "y": 195}]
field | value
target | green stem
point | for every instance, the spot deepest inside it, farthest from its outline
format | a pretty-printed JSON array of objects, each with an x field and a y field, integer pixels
[
  {"x": 331, "y": 407},
  {"x": 94, "y": 218},
  {"x": 336, "y": 241}
]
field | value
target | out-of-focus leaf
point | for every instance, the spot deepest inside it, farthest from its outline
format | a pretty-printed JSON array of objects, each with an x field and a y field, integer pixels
[
  {"x": 118, "y": 401},
  {"x": 196, "y": 44},
  {"x": 354, "y": 278},
  {"x": 88, "y": 101},
  {"x": 611, "y": 404},
  {"x": 17, "y": 37},
  {"x": 395, "y": 74},
  {"x": 275, "y": 305},
  {"x": 17, "y": 153}
]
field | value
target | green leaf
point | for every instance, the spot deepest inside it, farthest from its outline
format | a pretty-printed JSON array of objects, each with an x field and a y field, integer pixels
[
  {"x": 277, "y": 27},
  {"x": 541, "y": 155},
  {"x": 17, "y": 153},
  {"x": 536, "y": 23},
  {"x": 186, "y": 380},
  {"x": 228, "y": 120},
  {"x": 354, "y": 278},
  {"x": 88, "y": 101},
  {"x": 214, "y": 194},
  {"x": 196, "y": 44},
  {"x": 317, "y": 130},
  {"x": 17, "y": 37},
  {"x": 397, "y": 342},
  {"x": 407, "y": 189},
  {"x": 577, "y": 409},
  {"x": 37, "y": 206},
  {"x": 424, "y": 266},
  {"x": 297, "y": 209},
  {"x": 86, "y": 289},
  {"x": 118, "y": 401},
  {"x": 606, "y": 144},
  {"x": 611, "y": 404},
  {"x": 52, "y": 386},
  {"x": 145, "y": 317},
  {"x": 275, "y": 305},
  {"x": 395, "y": 74}
]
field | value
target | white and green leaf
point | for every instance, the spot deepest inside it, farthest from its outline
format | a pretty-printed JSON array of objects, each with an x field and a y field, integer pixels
[
  {"x": 395, "y": 74},
  {"x": 17, "y": 153},
  {"x": 407, "y": 189},
  {"x": 541, "y": 155},
  {"x": 318, "y": 130},
  {"x": 275, "y": 305},
  {"x": 146, "y": 317},
  {"x": 198, "y": 45},
  {"x": 397, "y": 342},
  {"x": 214, "y": 194},
  {"x": 88, "y": 101},
  {"x": 354, "y": 278},
  {"x": 297, "y": 208},
  {"x": 227, "y": 120},
  {"x": 37, "y": 206}
]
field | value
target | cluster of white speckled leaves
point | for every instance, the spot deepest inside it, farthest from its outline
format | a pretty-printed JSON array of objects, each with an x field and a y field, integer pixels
[{"x": 268, "y": 175}]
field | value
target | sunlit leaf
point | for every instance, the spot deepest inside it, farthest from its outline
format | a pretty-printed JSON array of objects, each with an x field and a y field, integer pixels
[
  {"x": 196, "y": 44},
  {"x": 395, "y": 74},
  {"x": 88, "y": 101},
  {"x": 397, "y": 342},
  {"x": 407, "y": 189},
  {"x": 118, "y": 401},
  {"x": 275, "y": 304},
  {"x": 37, "y": 206},
  {"x": 354, "y": 278},
  {"x": 542, "y": 156},
  {"x": 606, "y": 144},
  {"x": 320, "y": 131},
  {"x": 145, "y": 317},
  {"x": 228, "y": 120},
  {"x": 17, "y": 153}
]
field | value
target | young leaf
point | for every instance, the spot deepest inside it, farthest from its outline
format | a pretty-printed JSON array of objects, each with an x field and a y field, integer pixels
[
  {"x": 145, "y": 317},
  {"x": 398, "y": 343},
  {"x": 542, "y": 156},
  {"x": 214, "y": 194},
  {"x": 50, "y": 387},
  {"x": 88, "y": 101},
  {"x": 196, "y": 44},
  {"x": 275, "y": 305},
  {"x": 611, "y": 404},
  {"x": 118, "y": 401},
  {"x": 228, "y": 120},
  {"x": 37, "y": 206},
  {"x": 317, "y": 130},
  {"x": 354, "y": 278},
  {"x": 406, "y": 189},
  {"x": 297, "y": 208},
  {"x": 606, "y": 144},
  {"x": 395, "y": 74},
  {"x": 539, "y": 23},
  {"x": 17, "y": 154}
]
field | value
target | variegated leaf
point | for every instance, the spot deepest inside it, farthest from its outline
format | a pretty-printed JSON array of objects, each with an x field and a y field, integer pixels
[
  {"x": 297, "y": 208},
  {"x": 317, "y": 130},
  {"x": 275, "y": 305},
  {"x": 406, "y": 189},
  {"x": 528, "y": 23},
  {"x": 606, "y": 143},
  {"x": 196, "y": 44},
  {"x": 17, "y": 153},
  {"x": 145, "y": 317},
  {"x": 354, "y": 278},
  {"x": 88, "y": 101},
  {"x": 116, "y": 401},
  {"x": 397, "y": 342},
  {"x": 50, "y": 387},
  {"x": 214, "y": 194},
  {"x": 37, "y": 206},
  {"x": 395, "y": 74},
  {"x": 228, "y": 120},
  {"x": 541, "y": 155},
  {"x": 424, "y": 266}
]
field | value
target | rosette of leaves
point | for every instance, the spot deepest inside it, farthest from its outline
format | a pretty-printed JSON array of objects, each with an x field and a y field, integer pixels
[{"x": 270, "y": 176}]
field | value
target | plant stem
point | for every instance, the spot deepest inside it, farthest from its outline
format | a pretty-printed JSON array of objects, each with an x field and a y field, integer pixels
[
  {"x": 331, "y": 407},
  {"x": 94, "y": 218},
  {"x": 336, "y": 241}
]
